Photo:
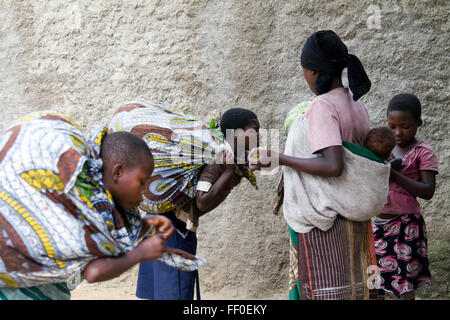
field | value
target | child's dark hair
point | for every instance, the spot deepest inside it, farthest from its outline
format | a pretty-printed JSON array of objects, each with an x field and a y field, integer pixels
[
  {"x": 335, "y": 50},
  {"x": 406, "y": 102},
  {"x": 124, "y": 147},
  {"x": 381, "y": 141},
  {"x": 236, "y": 118}
]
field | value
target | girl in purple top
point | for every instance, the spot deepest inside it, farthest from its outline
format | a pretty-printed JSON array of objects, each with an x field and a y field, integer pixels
[{"x": 399, "y": 231}]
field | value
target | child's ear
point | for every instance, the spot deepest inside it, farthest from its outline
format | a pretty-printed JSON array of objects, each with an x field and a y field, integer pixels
[
  {"x": 117, "y": 172},
  {"x": 419, "y": 122}
]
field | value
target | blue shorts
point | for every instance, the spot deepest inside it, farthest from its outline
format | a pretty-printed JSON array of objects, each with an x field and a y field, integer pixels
[{"x": 158, "y": 281}]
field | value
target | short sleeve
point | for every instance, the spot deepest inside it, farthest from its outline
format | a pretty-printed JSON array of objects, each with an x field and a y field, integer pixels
[
  {"x": 428, "y": 160},
  {"x": 323, "y": 123},
  {"x": 208, "y": 176}
]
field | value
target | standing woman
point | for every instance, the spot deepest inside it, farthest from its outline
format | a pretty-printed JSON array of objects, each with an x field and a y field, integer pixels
[{"x": 329, "y": 255}]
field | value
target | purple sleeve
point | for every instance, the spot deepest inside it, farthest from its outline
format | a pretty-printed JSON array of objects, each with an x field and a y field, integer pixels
[{"x": 428, "y": 160}]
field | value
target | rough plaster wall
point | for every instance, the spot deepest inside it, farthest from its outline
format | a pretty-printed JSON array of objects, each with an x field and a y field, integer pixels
[{"x": 84, "y": 58}]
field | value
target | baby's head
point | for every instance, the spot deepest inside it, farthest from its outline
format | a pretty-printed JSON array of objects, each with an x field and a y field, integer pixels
[
  {"x": 380, "y": 141},
  {"x": 243, "y": 128},
  {"x": 127, "y": 166}
]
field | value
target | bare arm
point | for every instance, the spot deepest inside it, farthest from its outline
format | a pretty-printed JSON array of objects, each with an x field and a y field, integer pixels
[
  {"x": 330, "y": 164},
  {"x": 424, "y": 188},
  {"x": 103, "y": 269},
  {"x": 207, "y": 201}
]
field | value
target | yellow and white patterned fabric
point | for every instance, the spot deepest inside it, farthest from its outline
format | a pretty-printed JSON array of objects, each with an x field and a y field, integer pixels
[
  {"x": 55, "y": 213},
  {"x": 180, "y": 145}
]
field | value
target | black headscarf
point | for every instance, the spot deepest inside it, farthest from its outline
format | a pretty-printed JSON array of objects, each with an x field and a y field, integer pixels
[{"x": 314, "y": 58}]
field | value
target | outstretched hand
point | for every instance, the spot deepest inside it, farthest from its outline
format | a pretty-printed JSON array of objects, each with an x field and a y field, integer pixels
[
  {"x": 261, "y": 158},
  {"x": 162, "y": 225},
  {"x": 180, "y": 252},
  {"x": 151, "y": 248},
  {"x": 225, "y": 155}
]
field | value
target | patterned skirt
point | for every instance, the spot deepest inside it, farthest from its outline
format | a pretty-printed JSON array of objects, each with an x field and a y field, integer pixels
[
  {"x": 401, "y": 250},
  {"x": 333, "y": 265}
]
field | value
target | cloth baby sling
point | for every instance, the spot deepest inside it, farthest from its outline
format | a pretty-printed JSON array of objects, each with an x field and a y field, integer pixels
[
  {"x": 55, "y": 213},
  {"x": 312, "y": 201}
]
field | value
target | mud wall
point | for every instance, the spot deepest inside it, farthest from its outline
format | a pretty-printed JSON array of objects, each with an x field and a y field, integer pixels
[{"x": 84, "y": 58}]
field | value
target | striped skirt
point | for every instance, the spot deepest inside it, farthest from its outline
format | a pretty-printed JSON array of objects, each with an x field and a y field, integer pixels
[
  {"x": 333, "y": 265},
  {"x": 52, "y": 291}
]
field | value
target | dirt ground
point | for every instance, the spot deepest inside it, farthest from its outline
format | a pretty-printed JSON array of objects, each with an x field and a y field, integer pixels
[
  {"x": 89, "y": 292},
  {"x": 124, "y": 288},
  {"x": 101, "y": 293}
]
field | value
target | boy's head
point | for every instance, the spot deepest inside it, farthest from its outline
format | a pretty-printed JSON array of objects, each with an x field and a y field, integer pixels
[
  {"x": 381, "y": 141},
  {"x": 243, "y": 128},
  {"x": 127, "y": 166},
  {"x": 408, "y": 103},
  {"x": 404, "y": 118}
]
